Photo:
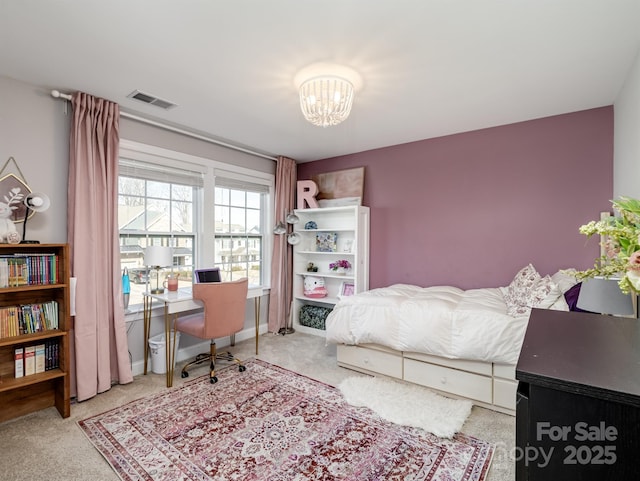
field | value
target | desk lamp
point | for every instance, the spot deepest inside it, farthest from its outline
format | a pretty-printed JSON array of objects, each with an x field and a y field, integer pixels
[
  {"x": 158, "y": 257},
  {"x": 603, "y": 296},
  {"x": 34, "y": 202}
]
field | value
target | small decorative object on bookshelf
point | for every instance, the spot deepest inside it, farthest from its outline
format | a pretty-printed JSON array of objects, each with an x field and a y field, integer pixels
[
  {"x": 326, "y": 241},
  {"x": 347, "y": 289},
  {"x": 314, "y": 287},
  {"x": 340, "y": 266}
]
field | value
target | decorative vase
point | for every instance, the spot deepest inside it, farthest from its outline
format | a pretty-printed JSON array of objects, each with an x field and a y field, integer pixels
[{"x": 341, "y": 271}]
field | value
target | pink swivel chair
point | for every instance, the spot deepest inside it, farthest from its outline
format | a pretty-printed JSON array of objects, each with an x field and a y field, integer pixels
[{"x": 223, "y": 315}]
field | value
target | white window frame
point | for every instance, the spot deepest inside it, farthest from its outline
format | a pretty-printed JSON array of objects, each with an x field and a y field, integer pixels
[{"x": 204, "y": 212}]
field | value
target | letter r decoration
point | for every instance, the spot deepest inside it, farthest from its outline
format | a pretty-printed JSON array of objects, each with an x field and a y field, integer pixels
[{"x": 307, "y": 191}]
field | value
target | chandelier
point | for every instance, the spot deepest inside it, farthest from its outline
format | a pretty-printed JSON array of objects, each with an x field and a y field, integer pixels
[
  {"x": 326, "y": 93},
  {"x": 326, "y": 100}
]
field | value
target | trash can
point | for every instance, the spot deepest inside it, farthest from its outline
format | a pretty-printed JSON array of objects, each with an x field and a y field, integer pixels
[{"x": 158, "y": 348}]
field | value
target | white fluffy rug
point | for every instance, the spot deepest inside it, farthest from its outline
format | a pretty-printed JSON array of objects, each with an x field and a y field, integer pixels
[{"x": 407, "y": 404}]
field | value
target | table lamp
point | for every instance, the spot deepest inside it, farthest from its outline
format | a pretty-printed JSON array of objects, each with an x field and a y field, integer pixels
[
  {"x": 34, "y": 202},
  {"x": 158, "y": 257},
  {"x": 603, "y": 296}
]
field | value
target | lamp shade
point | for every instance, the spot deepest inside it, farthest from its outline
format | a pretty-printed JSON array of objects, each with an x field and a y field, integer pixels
[
  {"x": 34, "y": 202},
  {"x": 605, "y": 297},
  {"x": 158, "y": 256},
  {"x": 37, "y": 201}
]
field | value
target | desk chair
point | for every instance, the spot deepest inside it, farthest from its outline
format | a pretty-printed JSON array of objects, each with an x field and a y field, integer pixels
[{"x": 223, "y": 315}]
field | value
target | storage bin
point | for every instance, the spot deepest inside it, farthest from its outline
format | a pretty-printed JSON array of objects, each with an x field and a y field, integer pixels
[{"x": 314, "y": 316}]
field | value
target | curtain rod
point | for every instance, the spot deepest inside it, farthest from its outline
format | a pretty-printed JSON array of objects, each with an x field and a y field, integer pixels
[{"x": 57, "y": 94}]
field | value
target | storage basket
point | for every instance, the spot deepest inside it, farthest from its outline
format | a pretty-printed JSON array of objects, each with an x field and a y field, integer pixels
[{"x": 314, "y": 316}]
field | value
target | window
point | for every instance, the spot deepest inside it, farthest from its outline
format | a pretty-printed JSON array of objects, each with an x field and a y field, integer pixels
[
  {"x": 156, "y": 207},
  {"x": 239, "y": 229},
  {"x": 210, "y": 216}
]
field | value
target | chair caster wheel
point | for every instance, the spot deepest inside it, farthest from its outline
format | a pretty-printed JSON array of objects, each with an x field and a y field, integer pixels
[
  {"x": 184, "y": 374},
  {"x": 242, "y": 368},
  {"x": 213, "y": 379}
]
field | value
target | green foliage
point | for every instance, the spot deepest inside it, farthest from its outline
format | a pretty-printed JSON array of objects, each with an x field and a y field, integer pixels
[{"x": 620, "y": 237}]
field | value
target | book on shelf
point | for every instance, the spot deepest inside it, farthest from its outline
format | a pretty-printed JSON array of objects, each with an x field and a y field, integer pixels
[
  {"x": 51, "y": 354},
  {"x": 21, "y": 269},
  {"x": 29, "y": 360},
  {"x": 28, "y": 318},
  {"x": 19, "y": 361},
  {"x": 40, "y": 358}
]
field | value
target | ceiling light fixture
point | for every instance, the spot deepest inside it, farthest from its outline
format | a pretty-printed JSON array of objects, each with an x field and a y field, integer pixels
[{"x": 326, "y": 93}]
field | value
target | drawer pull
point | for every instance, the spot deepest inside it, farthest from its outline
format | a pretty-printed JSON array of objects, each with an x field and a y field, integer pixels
[
  {"x": 366, "y": 360},
  {"x": 443, "y": 380}
]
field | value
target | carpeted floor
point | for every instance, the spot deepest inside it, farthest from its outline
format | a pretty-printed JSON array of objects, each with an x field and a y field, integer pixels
[{"x": 44, "y": 446}]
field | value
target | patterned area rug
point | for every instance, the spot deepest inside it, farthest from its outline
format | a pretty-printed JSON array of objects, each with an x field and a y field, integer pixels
[{"x": 269, "y": 423}]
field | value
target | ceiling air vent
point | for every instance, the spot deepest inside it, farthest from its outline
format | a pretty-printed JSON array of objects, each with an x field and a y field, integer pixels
[{"x": 150, "y": 99}]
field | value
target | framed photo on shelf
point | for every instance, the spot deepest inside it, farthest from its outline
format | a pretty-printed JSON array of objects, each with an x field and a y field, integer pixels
[
  {"x": 347, "y": 289},
  {"x": 326, "y": 242}
]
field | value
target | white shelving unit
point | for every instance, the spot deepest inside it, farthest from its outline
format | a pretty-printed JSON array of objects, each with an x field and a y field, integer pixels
[{"x": 351, "y": 225}]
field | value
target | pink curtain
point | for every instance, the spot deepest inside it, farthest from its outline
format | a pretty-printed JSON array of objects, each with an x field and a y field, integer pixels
[
  {"x": 100, "y": 340},
  {"x": 281, "y": 262}
]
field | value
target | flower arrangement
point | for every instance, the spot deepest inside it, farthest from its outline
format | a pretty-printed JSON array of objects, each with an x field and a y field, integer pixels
[
  {"x": 345, "y": 264},
  {"x": 621, "y": 242}
]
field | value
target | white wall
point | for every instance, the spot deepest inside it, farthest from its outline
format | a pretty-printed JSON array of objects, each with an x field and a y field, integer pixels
[
  {"x": 626, "y": 158},
  {"x": 34, "y": 130}
]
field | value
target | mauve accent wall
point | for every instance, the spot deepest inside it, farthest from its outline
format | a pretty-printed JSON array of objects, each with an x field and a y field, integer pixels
[{"x": 471, "y": 209}]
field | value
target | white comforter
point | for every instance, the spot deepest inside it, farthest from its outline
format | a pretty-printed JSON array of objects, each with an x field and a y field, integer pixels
[{"x": 441, "y": 320}]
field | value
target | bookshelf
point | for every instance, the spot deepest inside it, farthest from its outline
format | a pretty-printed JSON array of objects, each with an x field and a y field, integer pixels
[
  {"x": 338, "y": 233},
  {"x": 40, "y": 284}
]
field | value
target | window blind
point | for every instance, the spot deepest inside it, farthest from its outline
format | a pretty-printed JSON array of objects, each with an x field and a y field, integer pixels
[
  {"x": 232, "y": 180},
  {"x": 159, "y": 172}
]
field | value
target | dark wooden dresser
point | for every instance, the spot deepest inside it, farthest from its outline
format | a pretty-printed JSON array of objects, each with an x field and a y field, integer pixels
[{"x": 578, "y": 401}]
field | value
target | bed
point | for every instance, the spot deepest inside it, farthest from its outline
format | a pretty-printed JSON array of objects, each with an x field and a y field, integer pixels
[{"x": 463, "y": 343}]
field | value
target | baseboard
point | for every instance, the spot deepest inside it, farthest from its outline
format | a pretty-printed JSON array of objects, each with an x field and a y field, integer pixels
[{"x": 182, "y": 354}]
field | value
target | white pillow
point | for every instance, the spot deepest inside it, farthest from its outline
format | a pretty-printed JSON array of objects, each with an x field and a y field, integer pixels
[
  {"x": 560, "y": 304},
  {"x": 552, "y": 290},
  {"x": 565, "y": 278}
]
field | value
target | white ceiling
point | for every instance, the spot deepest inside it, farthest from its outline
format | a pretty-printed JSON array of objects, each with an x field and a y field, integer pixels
[{"x": 429, "y": 67}]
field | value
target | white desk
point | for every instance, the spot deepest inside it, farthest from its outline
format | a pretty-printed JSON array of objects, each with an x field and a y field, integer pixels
[{"x": 181, "y": 301}]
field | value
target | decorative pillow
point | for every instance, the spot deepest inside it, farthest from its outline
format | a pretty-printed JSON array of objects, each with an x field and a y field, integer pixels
[
  {"x": 565, "y": 278},
  {"x": 515, "y": 294},
  {"x": 571, "y": 296},
  {"x": 527, "y": 290},
  {"x": 549, "y": 289}
]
